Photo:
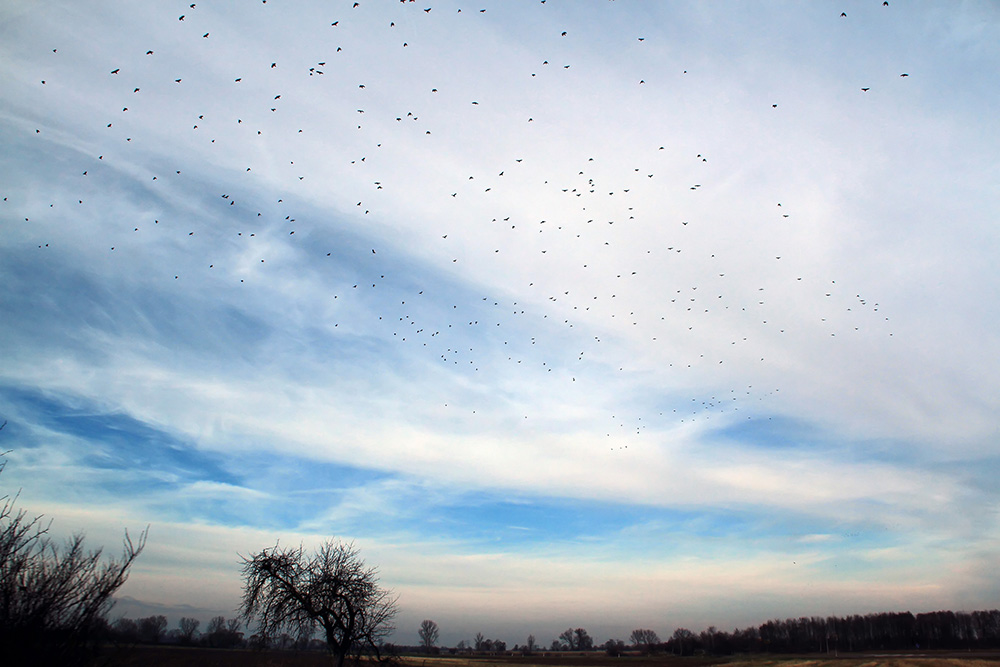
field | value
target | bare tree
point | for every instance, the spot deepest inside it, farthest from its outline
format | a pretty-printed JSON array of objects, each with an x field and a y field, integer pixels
[
  {"x": 188, "y": 626},
  {"x": 644, "y": 640},
  {"x": 151, "y": 628},
  {"x": 125, "y": 630},
  {"x": 479, "y": 641},
  {"x": 428, "y": 634},
  {"x": 683, "y": 640},
  {"x": 614, "y": 648},
  {"x": 332, "y": 590},
  {"x": 530, "y": 645},
  {"x": 53, "y": 600},
  {"x": 568, "y": 639}
]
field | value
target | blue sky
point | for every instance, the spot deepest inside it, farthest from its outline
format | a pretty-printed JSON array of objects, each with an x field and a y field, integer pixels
[{"x": 685, "y": 317}]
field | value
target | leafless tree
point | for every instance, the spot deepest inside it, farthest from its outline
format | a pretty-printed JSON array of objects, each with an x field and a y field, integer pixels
[
  {"x": 683, "y": 640},
  {"x": 644, "y": 640},
  {"x": 577, "y": 640},
  {"x": 53, "y": 599},
  {"x": 188, "y": 626},
  {"x": 151, "y": 628},
  {"x": 530, "y": 645},
  {"x": 332, "y": 590},
  {"x": 428, "y": 634},
  {"x": 614, "y": 648}
]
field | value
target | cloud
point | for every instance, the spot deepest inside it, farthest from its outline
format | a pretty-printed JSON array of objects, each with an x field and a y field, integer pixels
[{"x": 695, "y": 294}]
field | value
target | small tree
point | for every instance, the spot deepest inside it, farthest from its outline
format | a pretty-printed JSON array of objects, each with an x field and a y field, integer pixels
[
  {"x": 428, "y": 634},
  {"x": 530, "y": 645},
  {"x": 221, "y": 633},
  {"x": 683, "y": 640},
  {"x": 125, "y": 630},
  {"x": 333, "y": 590},
  {"x": 577, "y": 640},
  {"x": 614, "y": 648},
  {"x": 151, "y": 628},
  {"x": 188, "y": 626},
  {"x": 53, "y": 600},
  {"x": 644, "y": 640}
]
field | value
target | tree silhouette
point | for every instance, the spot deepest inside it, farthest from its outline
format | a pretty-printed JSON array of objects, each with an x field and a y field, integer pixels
[
  {"x": 188, "y": 626},
  {"x": 332, "y": 590},
  {"x": 428, "y": 634},
  {"x": 54, "y": 599},
  {"x": 151, "y": 628},
  {"x": 644, "y": 640}
]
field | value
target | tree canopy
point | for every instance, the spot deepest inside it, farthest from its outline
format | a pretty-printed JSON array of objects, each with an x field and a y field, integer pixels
[{"x": 332, "y": 591}]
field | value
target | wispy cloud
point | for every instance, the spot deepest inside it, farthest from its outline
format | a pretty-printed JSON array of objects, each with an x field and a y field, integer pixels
[{"x": 683, "y": 306}]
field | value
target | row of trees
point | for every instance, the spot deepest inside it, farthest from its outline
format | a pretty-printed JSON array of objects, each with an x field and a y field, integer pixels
[
  {"x": 219, "y": 633},
  {"x": 880, "y": 631},
  {"x": 55, "y": 598},
  {"x": 831, "y": 634}
]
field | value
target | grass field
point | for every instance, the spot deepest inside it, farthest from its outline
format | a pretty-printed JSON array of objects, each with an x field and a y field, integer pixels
[{"x": 163, "y": 656}]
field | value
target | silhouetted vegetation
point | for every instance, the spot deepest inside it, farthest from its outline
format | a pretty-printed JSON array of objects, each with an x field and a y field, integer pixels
[
  {"x": 332, "y": 591},
  {"x": 428, "y": 634},
  {"x": 54, "y": 598},
  {"x": 948, "y": 630}
]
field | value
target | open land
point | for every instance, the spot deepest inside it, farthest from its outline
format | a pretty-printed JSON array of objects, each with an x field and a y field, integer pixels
[{"x": 164, "y": 656}]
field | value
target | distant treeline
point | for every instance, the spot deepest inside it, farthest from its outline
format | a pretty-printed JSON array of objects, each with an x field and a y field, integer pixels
[
  {"x": 938, "y": 630},
  {"x": 882, "y": 631}
]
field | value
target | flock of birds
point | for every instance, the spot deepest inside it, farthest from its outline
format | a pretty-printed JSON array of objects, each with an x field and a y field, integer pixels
[{"x": 478, "y": 334}]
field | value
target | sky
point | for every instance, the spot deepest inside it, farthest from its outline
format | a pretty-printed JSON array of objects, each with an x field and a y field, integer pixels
[{"x": 598, "y": 314}]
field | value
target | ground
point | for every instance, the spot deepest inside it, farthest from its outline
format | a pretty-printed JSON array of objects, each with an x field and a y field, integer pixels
[{"x": 200, "y": 657}]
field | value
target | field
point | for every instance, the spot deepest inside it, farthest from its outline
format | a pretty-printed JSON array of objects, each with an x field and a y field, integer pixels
[{"x": 201, "y": 657}]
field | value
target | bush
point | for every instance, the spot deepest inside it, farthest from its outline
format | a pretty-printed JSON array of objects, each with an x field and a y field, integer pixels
[{"x": 54, "y": 599}]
